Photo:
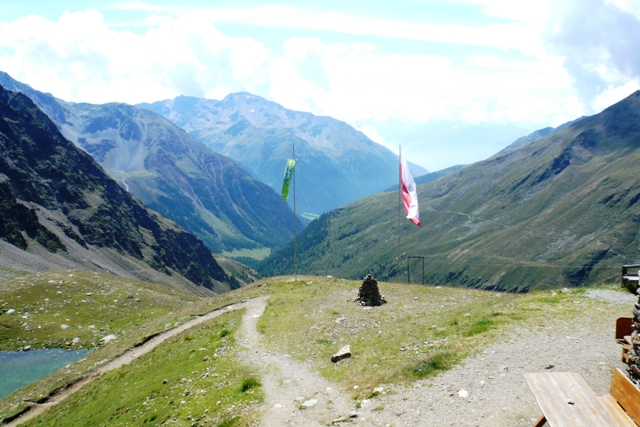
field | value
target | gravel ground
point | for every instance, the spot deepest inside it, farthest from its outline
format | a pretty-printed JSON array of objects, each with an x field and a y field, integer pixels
[
  {"x": 493, "y": 379},
  {"x": 487, "y": 390}
]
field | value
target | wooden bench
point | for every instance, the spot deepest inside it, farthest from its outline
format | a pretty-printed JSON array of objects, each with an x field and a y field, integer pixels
[
  {"x": 630, "y": 277},
  {"x": 624, "y": 329},
  {"x": 567, "y": 400}
]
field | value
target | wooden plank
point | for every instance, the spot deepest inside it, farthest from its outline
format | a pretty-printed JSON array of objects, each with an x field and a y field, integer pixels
[
  {"x": 624, "y": 326},
  {"x": 627, "y": 394},
  {"x": 616, "y": 411},
  {"x": 541, "y": 421},
  {"x": 567, "y": 401}
]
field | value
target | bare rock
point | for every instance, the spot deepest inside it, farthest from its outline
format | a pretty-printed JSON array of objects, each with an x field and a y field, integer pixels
[
  {"x": 343, "y": 353},
  {"x": 108, "y": 338},
  {"x": 309, "y": 403}
]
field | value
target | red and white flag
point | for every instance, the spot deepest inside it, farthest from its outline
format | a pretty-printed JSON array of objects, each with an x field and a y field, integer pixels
[{"x": 409, "y": 195}]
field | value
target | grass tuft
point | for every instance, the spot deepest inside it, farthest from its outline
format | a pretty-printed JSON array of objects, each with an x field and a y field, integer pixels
[
  {"x": 248, "y": 384},
  {"x": 229, "y": 423},
  {"x": 479, "y": 328},
  {"x": 435, "y": 363}
]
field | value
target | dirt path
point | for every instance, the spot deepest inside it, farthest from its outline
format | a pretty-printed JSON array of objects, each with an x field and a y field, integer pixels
[
  {"x": 122, "y": 360},
  {"x": 294, "y": 395}
]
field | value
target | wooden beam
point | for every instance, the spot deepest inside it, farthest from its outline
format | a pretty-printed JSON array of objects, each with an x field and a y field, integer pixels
[{"x": 627, "y": 394}]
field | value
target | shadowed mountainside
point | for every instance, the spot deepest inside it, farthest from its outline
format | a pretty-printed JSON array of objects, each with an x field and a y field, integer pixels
[
  {"x": 59, "y": 209},
  {"x": 172, "y": 173},
  {"x": 560, "y": 211}
]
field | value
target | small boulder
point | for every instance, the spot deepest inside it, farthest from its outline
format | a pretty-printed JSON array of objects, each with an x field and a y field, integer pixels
[
  {"x": 343, "y": 353},
  {"x": 108, "y": 338},
  {"x": 309, "y": 403}
]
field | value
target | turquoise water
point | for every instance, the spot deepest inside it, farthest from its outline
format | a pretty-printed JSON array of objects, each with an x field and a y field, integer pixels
[{"x": 21, "y": 368}]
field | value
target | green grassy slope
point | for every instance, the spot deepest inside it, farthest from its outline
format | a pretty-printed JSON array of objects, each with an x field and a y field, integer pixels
[
  {"x": 91, "y": 305},
  {"x": 562, "y": 211},
  {"x": 194, "y": 378}
]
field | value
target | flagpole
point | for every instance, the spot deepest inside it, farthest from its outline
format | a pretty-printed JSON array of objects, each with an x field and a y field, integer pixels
[
  {"x": 295, "y": 246},
  {"x": 399, "y": 203}
]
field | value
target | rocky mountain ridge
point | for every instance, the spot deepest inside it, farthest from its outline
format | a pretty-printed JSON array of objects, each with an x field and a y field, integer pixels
[
  {"x": 336, "y": 163},
  {"x": 172, "y": 173},
  {"x": 59, "y": 209}
]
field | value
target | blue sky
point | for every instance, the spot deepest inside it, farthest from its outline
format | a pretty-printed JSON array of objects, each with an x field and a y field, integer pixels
[{"x": 452, "y": 81}]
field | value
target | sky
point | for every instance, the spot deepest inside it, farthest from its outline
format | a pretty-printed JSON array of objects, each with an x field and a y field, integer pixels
[{"x": 452, "y": 81}]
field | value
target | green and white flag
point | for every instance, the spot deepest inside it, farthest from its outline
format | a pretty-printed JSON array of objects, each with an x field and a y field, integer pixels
[{"x": 288, "y": 173}]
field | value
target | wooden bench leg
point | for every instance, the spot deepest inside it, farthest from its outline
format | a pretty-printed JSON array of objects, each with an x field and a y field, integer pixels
[
  {"x": 625, "y": 358},
  {"x": 541, "y": 421}
]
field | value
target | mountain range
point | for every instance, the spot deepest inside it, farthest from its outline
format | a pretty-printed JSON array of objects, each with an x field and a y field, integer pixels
[
  {"x": 537, "y": 134},
  {"x": 172, "y": 173},
  {"x": 59, "y": 209},
  {"x": 336, "y": 163},
  {"x": 559, "y": 211}
]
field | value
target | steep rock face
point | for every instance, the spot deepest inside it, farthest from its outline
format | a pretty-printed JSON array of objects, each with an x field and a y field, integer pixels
[
  {"x": 56, "y": 195},
  {"x": 336, "y": 164},
  {"x": 172, "y": 173},
  {"x": 563, "y": 210}
]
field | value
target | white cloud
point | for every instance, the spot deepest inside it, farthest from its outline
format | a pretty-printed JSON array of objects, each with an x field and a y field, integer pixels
[
  {"x": 80, "y": 58},
  {"x": 512, "y": 35},
  {"x": 372, "y": 133},
  {"x": 614, "y": 94},
  {"x": 629, "y": 6},
  {"x": 599, "y": 42},
  {"x": 140, "y": 6},
  {"x": 540, "y": 59}
]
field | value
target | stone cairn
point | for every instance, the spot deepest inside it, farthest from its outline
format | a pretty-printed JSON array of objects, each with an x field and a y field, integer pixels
[
  {"x": 369, "y": 294},
  {"x": 634, "y": 352}
]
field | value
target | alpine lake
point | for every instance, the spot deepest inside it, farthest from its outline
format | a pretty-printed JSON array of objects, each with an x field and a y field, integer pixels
[{"x": 21, "y": 368}]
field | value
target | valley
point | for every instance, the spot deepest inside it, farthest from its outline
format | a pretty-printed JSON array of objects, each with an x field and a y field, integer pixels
[
  {"x": 559, "y": 211},
  {"x": 172, "y": 173},
  {"x": 519, "y": 251}
]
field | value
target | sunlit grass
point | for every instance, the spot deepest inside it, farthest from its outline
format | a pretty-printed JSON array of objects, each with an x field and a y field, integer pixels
[{"x": 191, "y": 378}]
